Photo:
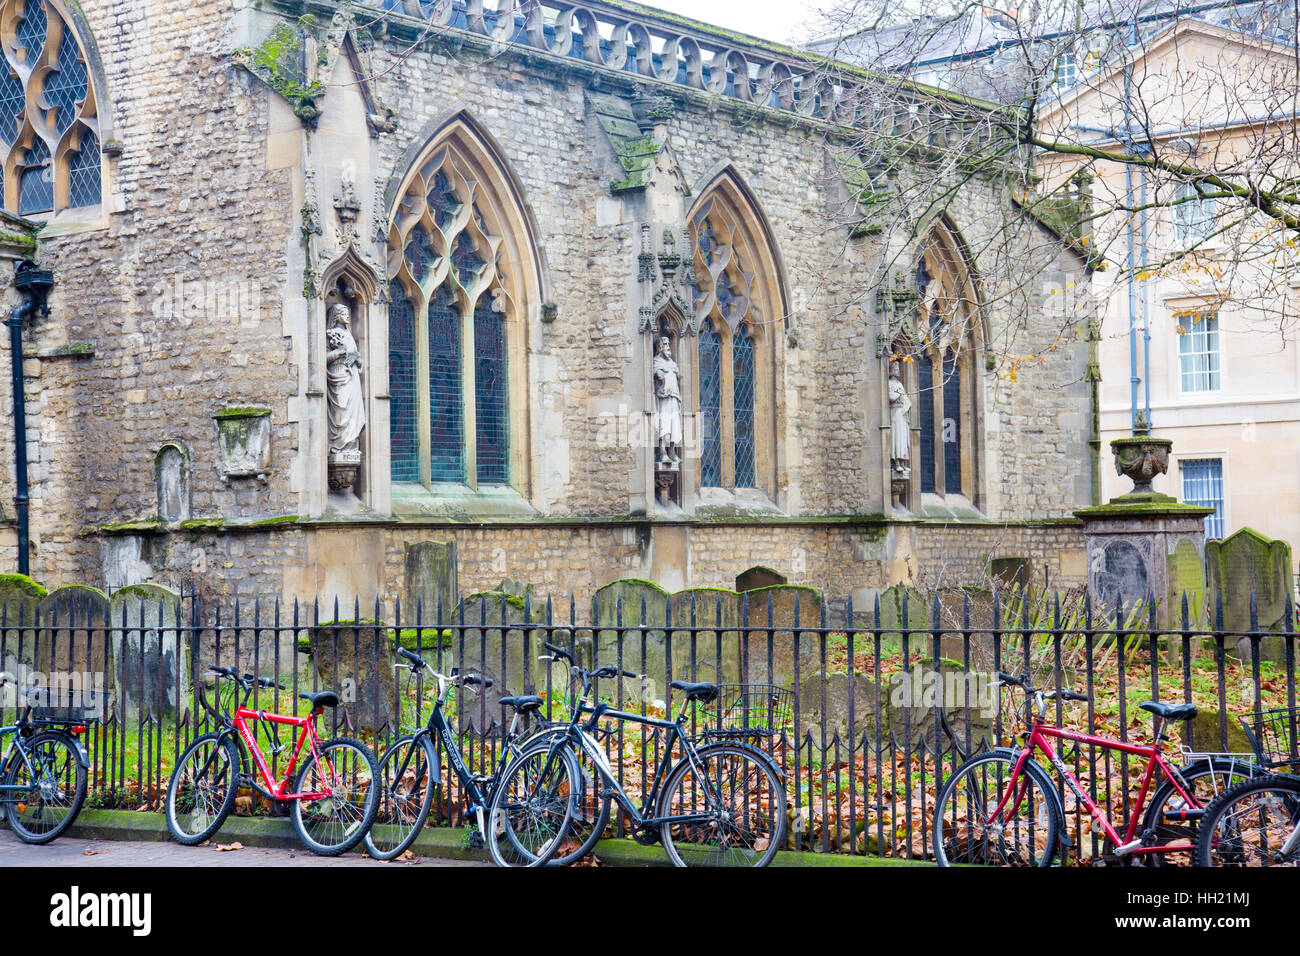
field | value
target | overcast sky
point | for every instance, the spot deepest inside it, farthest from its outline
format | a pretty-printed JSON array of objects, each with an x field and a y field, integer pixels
[{"x": 784, "y": 21}]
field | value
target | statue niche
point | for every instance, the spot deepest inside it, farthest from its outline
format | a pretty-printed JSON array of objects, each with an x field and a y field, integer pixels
[
  {"x": 667, "y": 391},
  {"x": 347, "y": 410}
]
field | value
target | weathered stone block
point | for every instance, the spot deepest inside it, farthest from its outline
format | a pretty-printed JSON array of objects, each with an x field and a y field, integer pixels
[
  {"x": 429, "y": 581},
  {"x": 355, "y": 659},
  {"x": 1243, "y": 564}
]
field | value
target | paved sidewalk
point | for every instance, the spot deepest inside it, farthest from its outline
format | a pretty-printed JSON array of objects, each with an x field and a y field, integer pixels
[{"x": 68, "y": 851}]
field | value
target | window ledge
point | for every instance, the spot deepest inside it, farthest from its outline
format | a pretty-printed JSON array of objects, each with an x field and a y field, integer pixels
[
  {"x": 950, "y": 508},
  {"x": 450, "y": 500},
  {"x": 742, "y": 502}
]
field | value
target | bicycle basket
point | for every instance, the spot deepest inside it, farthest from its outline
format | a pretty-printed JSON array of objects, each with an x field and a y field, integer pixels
[
  {"x": 1275, "y": 735},
  {"x": 749, "y": 710},
  {"x": 66, "y": 705}
]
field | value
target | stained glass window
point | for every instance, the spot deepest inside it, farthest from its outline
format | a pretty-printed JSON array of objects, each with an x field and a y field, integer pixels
[
  {"x": 446, "y": 413},
  {"x": 463, "y": 348},
  {"x": 490, "y": 394},
  {"x": 403, "y": 426},
  {"x": 742, "y": 350},
  {"x": 925, "y": 416},
  {"x": 710, "y": 406},
  {"x": 49, "y": 149},
  {"x": 951, "y": 423},
  {"x": 36, "y": 180}
]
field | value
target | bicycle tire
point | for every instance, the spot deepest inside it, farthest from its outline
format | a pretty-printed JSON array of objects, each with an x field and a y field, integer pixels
[
  {"x": 1231, "y": 830},
  {"x": 544, "y": 817},
  {"x": 591, "y": 810},
  {"x": 1234, "y": 772},
  {"x": 217, "y": 810},
  {"x": 417, "y": 762},
  {"x": 750, "y": 833},
  {"x": 40, "y": 750},
  {"x": 353, "y": 824},
  {"x": 946, "y": 842}
]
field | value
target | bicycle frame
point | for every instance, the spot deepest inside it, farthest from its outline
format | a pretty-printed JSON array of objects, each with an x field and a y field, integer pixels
[
  {"x": 270, "y": 788},
  {"x": 638, "y": 816},
  {"x": 1039, "y": 740}
]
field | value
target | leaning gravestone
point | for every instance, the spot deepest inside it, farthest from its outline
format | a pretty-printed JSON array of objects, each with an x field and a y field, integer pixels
[
  {"x": 634, "y": 603},
  {"x": 843, "y": 704},
  {"x": 429, "y": 581},
  {"x": 73, "y": 646},
  {"x": 20, "y": 602},
  {"x": 355, "y": 660},
  {"x": 791, "y": 651},
  {"x": 1243, "y": 563},
  {"x": 487, "y": 640},
  {"x": 152, "y": 671},
  {"x": 902, "y": 611},
  {"x": 714, "y": 647}
]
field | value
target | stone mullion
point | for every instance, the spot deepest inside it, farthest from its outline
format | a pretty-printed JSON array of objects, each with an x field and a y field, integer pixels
[{"x": 423, "y": 414}]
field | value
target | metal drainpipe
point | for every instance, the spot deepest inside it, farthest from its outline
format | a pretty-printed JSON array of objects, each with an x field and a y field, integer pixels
[{"x": 34, "y": 285}]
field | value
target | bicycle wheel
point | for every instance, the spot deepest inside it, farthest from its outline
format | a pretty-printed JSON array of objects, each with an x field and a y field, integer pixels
[
  {"x": 1250, "y": 825},
  {"x": 202, "y": 790},
  {"x": 54, "y": 788},
  {"x": 1025, "y": 830},
  {"x": 1205, "y": 781},
  {"x": 738, "y": 795},
  {"x": 348, "y": 771},
  {"x": 532, "y": 805},
  {"x": 591, "y": 808},
  {"x": 407, "y": 779}
]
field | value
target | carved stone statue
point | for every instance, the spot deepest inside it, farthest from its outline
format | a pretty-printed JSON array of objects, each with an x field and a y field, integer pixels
[
  {"x": 900, "y": 428},
  {"x": 668, "y": 407},
  {"x": 347, "y": 413}
]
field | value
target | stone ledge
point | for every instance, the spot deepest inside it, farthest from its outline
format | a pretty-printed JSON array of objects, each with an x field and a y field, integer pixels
[{"x": 446, "y": 843}]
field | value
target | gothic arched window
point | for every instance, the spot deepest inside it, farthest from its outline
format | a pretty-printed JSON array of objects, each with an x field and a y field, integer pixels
[
  {"x": 740, "y": 315},
  {"x": 49, "y": 125},
  {"x": 456, "y": 255},
  {"x": 943, "y": 350}
]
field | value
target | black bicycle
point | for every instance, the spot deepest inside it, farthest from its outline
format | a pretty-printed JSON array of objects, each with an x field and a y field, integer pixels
[
  {"x": 723, "y": 803},
  {"x": 43, "y": 783},
  {"x": 540, "y": 791}
]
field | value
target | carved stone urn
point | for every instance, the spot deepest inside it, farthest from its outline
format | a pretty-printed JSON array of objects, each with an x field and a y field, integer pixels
[{"x": 1140, "y": 458}]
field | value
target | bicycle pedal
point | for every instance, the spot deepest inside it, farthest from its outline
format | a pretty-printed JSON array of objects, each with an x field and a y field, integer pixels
[{"x": 1127, "y": 848}]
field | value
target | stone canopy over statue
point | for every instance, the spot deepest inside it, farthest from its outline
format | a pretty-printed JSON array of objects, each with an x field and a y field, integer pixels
[
  {"x": 347, "y": 413},
  {"x": 668, "y": 408}
]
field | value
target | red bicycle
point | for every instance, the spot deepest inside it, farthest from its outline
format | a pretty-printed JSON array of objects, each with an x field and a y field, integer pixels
[
  {"x": 1001, "y": 808},
  {"x": 332, "y": 796}
]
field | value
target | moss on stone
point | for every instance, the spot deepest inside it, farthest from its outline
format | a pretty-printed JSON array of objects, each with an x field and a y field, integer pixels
[
  {"x": 276, "y": 62},
  {"x": 126, "y": 527},
  {"x": 242, "y": 411},
  {"x": 21, "y": 582},
  {"x": 276, "y": 520},
  {"x": 203, "y": 524}
]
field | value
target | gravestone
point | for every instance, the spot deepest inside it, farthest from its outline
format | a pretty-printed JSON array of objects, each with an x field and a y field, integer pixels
[
  {"x": 759, "y": 577},
  {"x": 355, "y": 659},
  {"x": 492, "y": 644},
  {"x": 172, "y": 476},
  {"x": 915, "y": 699},
  {"x": 1244, "y": 562},
  {"x": 785, "y": 606},
  {"x": 830, "y": 714},
  {"x": 152, "y": 661},
  {"x": 20, "y": 602},
  {"x": 634, "y": 602},
  {"x": 902, "y": 609},
  {"x": 74, "y": 648},
  {"x": 716, "y": 642},
  {"x": 429, "y": 581},
  {"x": 1011, "y": 574}
]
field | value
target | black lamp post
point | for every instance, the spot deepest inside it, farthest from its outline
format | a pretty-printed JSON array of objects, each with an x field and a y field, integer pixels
[{"x": 34, "y": 285}]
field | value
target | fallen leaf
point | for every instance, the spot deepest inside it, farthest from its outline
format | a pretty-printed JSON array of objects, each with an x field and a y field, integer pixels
[
  {"x": 226, "y": 847},
  {"x": 94, "y": 852}
]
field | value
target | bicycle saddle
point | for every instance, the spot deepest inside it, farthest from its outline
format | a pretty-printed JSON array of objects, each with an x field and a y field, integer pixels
[
  {"x": 326, "y": 698},
  {"x": 1171, "y": 711},
  {"x": 700, "y": 692},
  {"x": 525, "y": 704}
]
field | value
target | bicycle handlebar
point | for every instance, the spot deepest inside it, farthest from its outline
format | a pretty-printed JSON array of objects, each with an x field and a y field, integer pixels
[{"x": 1023, "y": 683}]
